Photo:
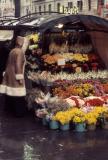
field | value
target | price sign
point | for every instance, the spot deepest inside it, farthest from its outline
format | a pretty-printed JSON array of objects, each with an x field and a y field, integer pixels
[{"x": 61, "y": 62}]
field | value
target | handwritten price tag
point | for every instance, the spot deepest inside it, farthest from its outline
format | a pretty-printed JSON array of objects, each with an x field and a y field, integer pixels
[{"x": 61, "y": 62}]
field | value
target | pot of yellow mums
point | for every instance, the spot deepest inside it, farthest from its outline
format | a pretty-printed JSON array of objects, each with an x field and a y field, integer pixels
[
  {"x": 101, "y": 112},
  {"x": 53, "y": 123},
  {"x": 105, "y": 126},
  {"x": 63, "y": 117},
  {"x": 91, "y": 120},
  {"x": 79, "y": 120}
]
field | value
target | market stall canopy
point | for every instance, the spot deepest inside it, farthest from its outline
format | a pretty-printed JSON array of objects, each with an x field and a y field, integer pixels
[
  {"x": 97, "y": 27},
  {"x": 49, "y": 21}
]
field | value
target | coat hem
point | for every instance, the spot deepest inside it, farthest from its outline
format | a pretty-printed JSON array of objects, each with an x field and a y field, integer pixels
[{"x": 13, "y": 91}]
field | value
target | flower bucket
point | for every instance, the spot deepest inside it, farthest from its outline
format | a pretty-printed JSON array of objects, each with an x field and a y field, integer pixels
[
  {"x": 53, "y": 124},
  {"x": 91, "y": 127},
  {"x": 100, "y": 122},
  {"x": 44, "y": 121},
  {"x": 64, "y": 127},
  {"x": 80, "y": 127}
]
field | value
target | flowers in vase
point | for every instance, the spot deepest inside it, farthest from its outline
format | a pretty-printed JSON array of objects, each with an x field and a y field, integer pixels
[
  {"x": 100, "y": 110},
  {"x": 79, "y": 116},
  {"x": 62, "y": 117},
  {"x": 34, "y": 37},
  {"x": 91, "y": 118}
]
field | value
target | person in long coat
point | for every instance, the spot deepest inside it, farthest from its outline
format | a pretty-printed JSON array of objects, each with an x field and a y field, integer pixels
[{"x": 13, "y": 84}]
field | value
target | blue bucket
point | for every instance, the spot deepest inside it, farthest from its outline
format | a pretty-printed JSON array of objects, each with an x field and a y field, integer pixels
[
  {"x": 80, "y": 127},
  {"x": 64, "y": 127},
  {"x": 53, "y": 124},
  {"x": 44, "y": 121}
]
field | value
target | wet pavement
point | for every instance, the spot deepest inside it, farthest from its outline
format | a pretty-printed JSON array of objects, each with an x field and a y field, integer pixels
[{"x": 26, "y": 139}]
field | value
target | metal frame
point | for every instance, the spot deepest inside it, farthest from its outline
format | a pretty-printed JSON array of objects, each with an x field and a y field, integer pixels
[{"x": 13, "y": 23}]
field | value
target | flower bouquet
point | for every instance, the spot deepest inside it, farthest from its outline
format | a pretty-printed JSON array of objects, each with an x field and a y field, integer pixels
[
  {"x": 79, "y": 120},
  {"x": 91, "y": 120},
  {"x": 100, "y": 111},
  {"x": 34, "y": 38},
  {"x": 63, "y": 118}
]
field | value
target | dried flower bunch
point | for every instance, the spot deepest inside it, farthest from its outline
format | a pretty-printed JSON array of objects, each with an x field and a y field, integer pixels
[
  {"x": 32, "y": 95},
  {"x": 56, "y": 104}
]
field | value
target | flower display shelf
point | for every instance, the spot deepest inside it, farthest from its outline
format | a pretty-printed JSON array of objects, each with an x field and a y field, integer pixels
[{"x": 70, "y": 76}]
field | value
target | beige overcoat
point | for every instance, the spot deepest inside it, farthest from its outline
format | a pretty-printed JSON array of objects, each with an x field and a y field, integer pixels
[{"x": 13, "y": 81}]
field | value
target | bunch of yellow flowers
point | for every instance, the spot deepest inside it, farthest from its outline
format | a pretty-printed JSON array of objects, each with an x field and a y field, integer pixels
[
  {"x": 72, "y": 112},
  {"x": 75, "y": 114},
  {"x": 65, "y": 116},
  {"x": 84, "y": 90},
  {"x": 34, "y": 37},
  {"x": 79, "y": 116},
  {"x": 62, "y": 117},
  {"x": 80, "y": 57},
  {"x": 91, "y": 118},
  {"x": 100, "y": 110},
  {"x": 79, "y": 119}
]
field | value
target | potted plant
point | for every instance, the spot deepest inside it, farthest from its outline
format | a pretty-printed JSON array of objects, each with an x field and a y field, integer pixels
[
  {"x": 63, "y": 117},
  {"x": 53, "y": 124},
  {"x": 79, "y": 120},
  {"x": 100, "y": 111},
  {"x": 91, "y": 120},
  {"x": 105, "y": 126}
]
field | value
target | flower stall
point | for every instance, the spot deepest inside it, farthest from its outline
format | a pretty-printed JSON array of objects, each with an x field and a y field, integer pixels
[{"x": 67, "y": 63}]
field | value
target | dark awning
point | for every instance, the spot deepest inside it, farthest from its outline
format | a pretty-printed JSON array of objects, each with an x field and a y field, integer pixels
[
  {"x": 49, "y": 21},
  {"x": 96, "y": 27}
]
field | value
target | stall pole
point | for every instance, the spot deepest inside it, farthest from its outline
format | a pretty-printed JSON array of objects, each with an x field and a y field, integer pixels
[{"x": 17, "y": 8}]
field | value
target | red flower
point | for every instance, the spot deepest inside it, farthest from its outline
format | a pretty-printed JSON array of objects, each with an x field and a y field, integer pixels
[{"x": 94, "y": 102}]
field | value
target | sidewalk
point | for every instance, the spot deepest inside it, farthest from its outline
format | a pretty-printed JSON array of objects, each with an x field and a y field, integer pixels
[{"x": 26, "y": 139}]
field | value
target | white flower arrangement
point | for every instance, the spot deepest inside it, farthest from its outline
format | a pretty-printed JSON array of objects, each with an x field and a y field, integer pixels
[{"x": 50, "y": 78}]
